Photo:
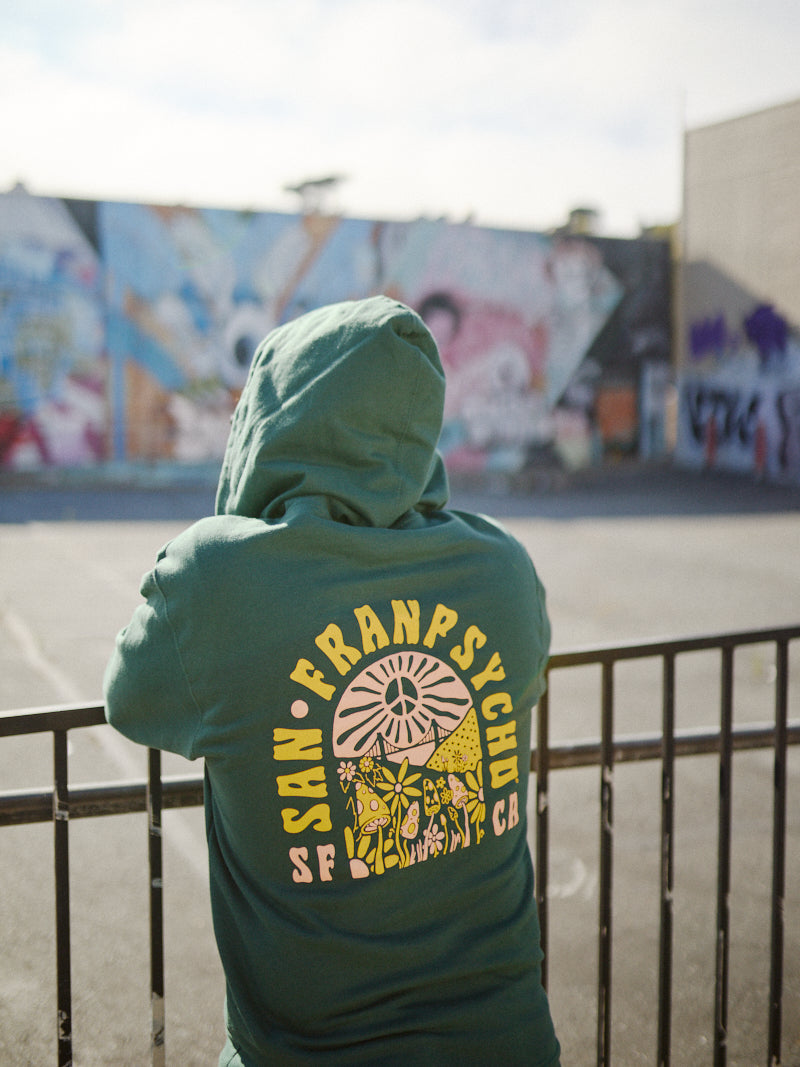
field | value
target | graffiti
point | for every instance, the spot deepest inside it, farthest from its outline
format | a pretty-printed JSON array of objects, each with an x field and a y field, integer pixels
[
  {"x": 708, "y": 337},
  {"x": 768, "y": 331},
  {"x": 764, "y": 328},
  {"x": 515, "y": 317},
  {"x": 788, "y": 408},
  {"x": 740, "y": 403},
  {"x": 733, "y": 414},
  {"x": 753, "y": 429},
  {"x": 127, "y": 330},
  {"x": 494, "y": 362},
  {"x": 53, "y": 371}
]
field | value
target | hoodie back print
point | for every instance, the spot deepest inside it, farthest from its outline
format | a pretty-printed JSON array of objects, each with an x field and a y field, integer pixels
[{"x": 356, "y": 665}]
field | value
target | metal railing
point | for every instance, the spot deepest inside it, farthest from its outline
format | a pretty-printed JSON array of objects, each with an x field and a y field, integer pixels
[
  {"x": 62, "y": 804},
  {"x": 667, "y": 746}
]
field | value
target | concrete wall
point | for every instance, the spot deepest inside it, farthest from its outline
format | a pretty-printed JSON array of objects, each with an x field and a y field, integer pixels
[
  {"x": 739, "y": 306},
  {"x": 126, "y": 330}
]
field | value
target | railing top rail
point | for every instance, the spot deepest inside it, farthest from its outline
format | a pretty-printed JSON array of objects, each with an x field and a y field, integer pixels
[
  {"x": 669, "y": 646},
  {"x": 71, "y": 716},
  {"x": 98, "y": 798},
  {"x": 179, "y": 791},
  {"x": 51, "y": 717}
]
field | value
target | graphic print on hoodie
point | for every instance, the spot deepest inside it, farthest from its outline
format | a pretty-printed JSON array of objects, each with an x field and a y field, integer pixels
[
  {"x": 407, "y": 737},
  {"x": 356, "y": 664}
]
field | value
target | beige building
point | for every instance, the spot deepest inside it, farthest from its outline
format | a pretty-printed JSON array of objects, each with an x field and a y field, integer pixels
[{"x": 739, "y": 295}]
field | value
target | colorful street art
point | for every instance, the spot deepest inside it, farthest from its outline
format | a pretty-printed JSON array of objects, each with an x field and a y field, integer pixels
[
  {"x": 53, "y": 370},
  {"x": 126, "y": 330},
  {"x": 740, "y": 394}
]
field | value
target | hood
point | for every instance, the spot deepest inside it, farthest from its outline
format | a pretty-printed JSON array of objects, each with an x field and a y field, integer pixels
[{"x": 343, "y": 404}]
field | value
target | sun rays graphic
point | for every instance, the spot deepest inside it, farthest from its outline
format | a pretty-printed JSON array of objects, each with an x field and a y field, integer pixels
[{"x": 400, "y": 707}]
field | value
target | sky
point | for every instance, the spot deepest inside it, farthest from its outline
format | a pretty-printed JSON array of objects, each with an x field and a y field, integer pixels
[{"x": 507, "y": 112}]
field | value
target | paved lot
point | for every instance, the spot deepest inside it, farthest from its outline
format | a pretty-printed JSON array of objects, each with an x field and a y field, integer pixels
[{"x": 624, "y": 555}]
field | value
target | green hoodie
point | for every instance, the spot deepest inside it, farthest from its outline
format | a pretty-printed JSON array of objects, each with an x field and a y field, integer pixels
[{"x": 357, "y": 667}]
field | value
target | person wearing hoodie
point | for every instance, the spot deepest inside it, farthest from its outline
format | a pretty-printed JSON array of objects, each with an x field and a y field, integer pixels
[{"x": 357, "y": 666}]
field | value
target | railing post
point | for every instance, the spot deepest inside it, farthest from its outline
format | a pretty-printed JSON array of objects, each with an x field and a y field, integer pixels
[
  {"x": 724, "y": 860},
  {"x": 542, "y": 873},
  {"x": 155, "y": 851},
  {"x": 61, "y": 851},
  {"x": 606, "y": 866},
  {"x": 778, "y": 855},
  {"x": 667, "y": 867}
]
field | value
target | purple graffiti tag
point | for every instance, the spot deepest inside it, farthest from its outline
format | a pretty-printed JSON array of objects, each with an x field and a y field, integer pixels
[
  {"x": 768, "y": 331},
  {"x": 707, "y": 337}
]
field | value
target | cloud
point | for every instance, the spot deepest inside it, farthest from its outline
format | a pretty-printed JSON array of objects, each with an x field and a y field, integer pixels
[{"x": 429, "y": 106}]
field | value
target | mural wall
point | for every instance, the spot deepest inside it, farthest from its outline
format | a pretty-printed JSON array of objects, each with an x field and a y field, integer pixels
[
  {"x": 740, "y": 383},
  {"x": 53, "y": 365},
  {"x": 126, "y": 330}
]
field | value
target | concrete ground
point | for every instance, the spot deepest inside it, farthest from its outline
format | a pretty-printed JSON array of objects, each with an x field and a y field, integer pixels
[{"x": 625, "y": 554}]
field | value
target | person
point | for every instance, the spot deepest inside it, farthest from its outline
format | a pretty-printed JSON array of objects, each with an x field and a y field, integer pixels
[{"x": 357, "y": 666}]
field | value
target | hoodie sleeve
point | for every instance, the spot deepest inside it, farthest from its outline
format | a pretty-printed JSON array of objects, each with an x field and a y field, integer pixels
[{"x": 147, "y": 694}]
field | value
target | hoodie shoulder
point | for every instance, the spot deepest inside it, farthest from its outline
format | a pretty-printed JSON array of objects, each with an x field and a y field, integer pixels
[{"x": 209, "y": 551}]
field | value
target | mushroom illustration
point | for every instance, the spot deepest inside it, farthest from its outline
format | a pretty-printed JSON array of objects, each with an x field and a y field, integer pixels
[
  {"x": 433, "y": 805},
  {"x": 358, "y": 869},
  {"x": 408, "y": 831},
  {"x": 373, "y": 814},
  {"x": 410, "y": 827},
  {"x": 460, "y": 796},
  {"x": 372, "y": 809},
  {"x": 431, "y": 798}
]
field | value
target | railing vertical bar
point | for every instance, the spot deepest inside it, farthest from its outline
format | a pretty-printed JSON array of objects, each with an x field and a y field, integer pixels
[
  {"x": 778, "y": 855},
  {"x": 667, "y": 867},
  {"x": 61, "y": 851},
  {"x": 724, "y": 861},
  {"x": 542, "y": 873},
  {"x": 606, "y": 866},
  {"x": 155, "y": 850}
]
